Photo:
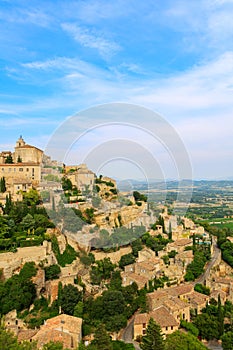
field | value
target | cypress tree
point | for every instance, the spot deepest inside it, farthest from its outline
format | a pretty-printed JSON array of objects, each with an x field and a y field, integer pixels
[
  {"x": 153, "y": 340},
  {"x": 2, "y": 185},
  {"x": 8, "y": 205},
  {"x": 102, "y": 340},
  {"x": 220, "y": 317},
  {"x": 9, "y": 160}
]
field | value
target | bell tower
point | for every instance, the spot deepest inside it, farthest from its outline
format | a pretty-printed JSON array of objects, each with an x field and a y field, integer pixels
[{"x": 20, "y": 142}]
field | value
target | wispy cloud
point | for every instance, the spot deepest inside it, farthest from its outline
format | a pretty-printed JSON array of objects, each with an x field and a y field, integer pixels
[
  {"x": 92, "y": 39},
  {"x": 33, "y": 16}
]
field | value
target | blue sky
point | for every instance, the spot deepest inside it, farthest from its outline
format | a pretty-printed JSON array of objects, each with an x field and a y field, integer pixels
[{"x": 173, "y": 57}]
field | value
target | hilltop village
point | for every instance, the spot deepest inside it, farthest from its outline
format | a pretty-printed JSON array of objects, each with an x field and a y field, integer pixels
[{"x": 87, "y": 260}]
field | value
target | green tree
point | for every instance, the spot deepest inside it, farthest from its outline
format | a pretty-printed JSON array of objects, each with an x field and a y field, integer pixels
[
  {"x": 53, "y": 346},
  {"x": 28, "y": 271},
  {"x": 189, "y": 326},
  {"x": 126, "y": 259},
  {"x": 78, "y": 310},
  {"x": 9, "y": 159},
  {"x": 153, "y": 340},
  {"x": 70, "y": 296},
  {"x": 2, "y": 185},
  {"x": 200, "y": 288},
  {"x": 101, "y": 271},
  {"x": 207, "y": 326},
  {"x": 66, "y": 184},
  {"x": 182, "y": 341},
  {"x": 227, "y": 341},
  {"x": 114, "y": 302},
  {"x": 7, "y": 340},
  {"x": 28, "y": 222},
  {"x": 139, "y": 197},
  {"x": 220, "y": 317},
  {"x": 116, "y": 281},
  {"x": 31, "y": 197},
  {"x": 102, "y": 341},
  {"x": 136, "y": 247},
  {"x": 8, "y": 205},
  {"x": 52, "y": 272}
]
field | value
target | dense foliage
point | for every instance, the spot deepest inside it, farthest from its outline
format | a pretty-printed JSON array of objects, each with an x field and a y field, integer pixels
[
  {"x": 196, "y": 267},
  {"x": 18, "y": 292},
  {"x": 67, "y": 257},
  {"x": 23, "y": 223},
  {"x": 182, "y": 341}
]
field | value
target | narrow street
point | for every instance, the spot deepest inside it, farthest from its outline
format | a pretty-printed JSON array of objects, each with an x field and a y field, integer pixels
[
  {"x": 216, "y": 254},
  {"x": 127, "y": 335}
]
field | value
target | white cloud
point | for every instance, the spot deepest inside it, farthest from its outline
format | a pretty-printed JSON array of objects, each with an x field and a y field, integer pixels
[
  {"x": 92, "y": 39},
  {"x": 33, "y": 16}
]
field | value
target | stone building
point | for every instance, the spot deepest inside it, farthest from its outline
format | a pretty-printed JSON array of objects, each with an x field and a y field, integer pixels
[
  {"x": 81, "y": 176},
  {"x": 63, "y": 328},
  {"x": 24, "y": 170},
  {"x": 161, "y": 315}
]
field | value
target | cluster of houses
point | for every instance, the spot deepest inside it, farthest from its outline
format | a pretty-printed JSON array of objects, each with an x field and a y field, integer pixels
[{"x": 168, "y": 307}]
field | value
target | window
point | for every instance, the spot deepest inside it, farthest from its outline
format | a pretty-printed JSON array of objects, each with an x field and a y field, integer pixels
[
  {"x": 20, "y": 169},
  {"x": 144, "y": 325},
  {"x": 166, "y": 328},
  {"x": 144, "y": 331},
  {"x": 171, "y": 327}
]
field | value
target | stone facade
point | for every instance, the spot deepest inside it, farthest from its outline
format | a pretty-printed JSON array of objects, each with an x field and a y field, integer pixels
[
  {"x": 161, "y": 315},
  {"x": 81, "y": 177},
  {"x": 24, "y": 172}
]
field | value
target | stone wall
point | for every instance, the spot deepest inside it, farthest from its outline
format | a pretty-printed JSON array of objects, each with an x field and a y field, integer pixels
[
  {"x": 114, "y": 256},
  {"x": 12, "y": 262}
]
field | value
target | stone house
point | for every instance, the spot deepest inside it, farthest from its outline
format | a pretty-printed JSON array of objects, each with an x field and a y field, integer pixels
[
  {"x": 25, "y": 171},
  {"x": 225, "y": 285},
  {"x": 184, "y": 258},
  {"x": 63, "y": 328},
  {"x": 188, "y": 223},
  {"x": 12, "y": 323},
  {"x": 197, "y": 301},
  {"x": 145, "y": 254},
  {"x": 215, "y": 293},
  {"x": 161, "y": 315},
  {"x": 81, "y": 177},
  {"x": 179, "y": 309},
  {"x": 141, "y": 272},
  {"x": 149, "y": 268},
  {"x": 179, "y": 245},
  {"x": 129, "y": 277}
]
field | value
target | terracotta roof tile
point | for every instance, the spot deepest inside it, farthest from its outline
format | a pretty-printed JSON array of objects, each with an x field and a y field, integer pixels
[{"x": 161, "y": 315}]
